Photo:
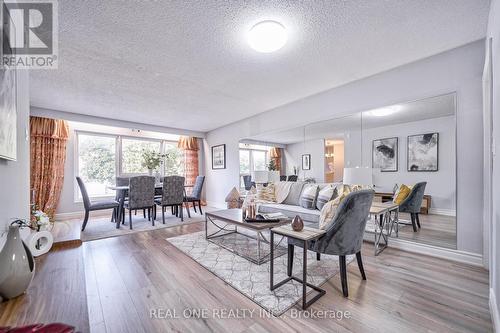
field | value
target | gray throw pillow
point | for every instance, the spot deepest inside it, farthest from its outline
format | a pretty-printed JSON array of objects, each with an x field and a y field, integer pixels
[
  {"x": 293, "y": 197},
  {"x": 326, "y": 194},
  {"x": 308, "y": 196}
]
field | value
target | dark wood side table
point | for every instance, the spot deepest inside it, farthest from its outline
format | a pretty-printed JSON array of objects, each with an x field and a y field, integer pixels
[{"x": 305, "y": 235}]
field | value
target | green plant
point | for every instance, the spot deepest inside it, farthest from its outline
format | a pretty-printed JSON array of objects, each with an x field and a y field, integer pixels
[
  {"x": 151, "y": 159},
  {"x": 272, "y": 165}
]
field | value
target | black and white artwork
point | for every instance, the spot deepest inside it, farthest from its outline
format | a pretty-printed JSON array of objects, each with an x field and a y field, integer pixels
[
  {"x": 423, "y": 150},
  {"x": 219, "y": 157},
  {"x": 385, "y": 154},
  {"x": 8, "y": 109},
  {"x": 306, "y": 162}
]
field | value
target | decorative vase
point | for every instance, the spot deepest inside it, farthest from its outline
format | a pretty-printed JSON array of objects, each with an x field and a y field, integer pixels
[
  {"x": 18, "y": 265},
  {"x": 297, "y": 223}
]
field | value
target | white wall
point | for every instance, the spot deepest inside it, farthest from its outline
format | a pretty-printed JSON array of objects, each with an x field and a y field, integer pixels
[
  {"x": 316, "y": 148},
  {"x": 457, "y": 70},
  {"x": 14, "y": 175},
  {"x": 440, "y": 184},
  {"x": 494, "y": 33}
]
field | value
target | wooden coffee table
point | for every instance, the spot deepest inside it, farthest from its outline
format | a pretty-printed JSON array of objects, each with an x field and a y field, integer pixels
[{"x": 252, "y": 244}]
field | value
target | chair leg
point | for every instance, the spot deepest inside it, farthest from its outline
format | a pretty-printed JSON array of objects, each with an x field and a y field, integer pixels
[
  {"x": 144, "y": 213},
  {"x": 199, "y": 205},
  {"x": 152, "y": 216},
  {"x": 194, "y": 207},
  {"x": 413, "y": 223},
  {"x": 85, "y": 219},
  {"x": 113, "y": 215},
  {"x": 181, "y": 212},
  {"x": 318, "y": 256},
  {"x": 187, "y": 208},
  {"x": 172, "y": 208},
  {"x": 418, "y": 219},
  {"x": 360, "y": 265},
  {"x": 130, "y": 219},
  {"x": 163, "y": 214},
  {"x": 343, "y": 275},
  {"x": 289, "y": 268}
]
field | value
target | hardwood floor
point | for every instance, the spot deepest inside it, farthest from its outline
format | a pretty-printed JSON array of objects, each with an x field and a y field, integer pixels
[
  {"x": 437, "y": 230},
  {"x": 126, "y": 277}
]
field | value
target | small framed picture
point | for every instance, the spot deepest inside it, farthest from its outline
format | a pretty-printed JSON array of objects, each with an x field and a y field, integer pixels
[
  {"x": 219, "y": 157},
  {"x": 306, "y": 162},
  {"x": 423, "y": 152}
]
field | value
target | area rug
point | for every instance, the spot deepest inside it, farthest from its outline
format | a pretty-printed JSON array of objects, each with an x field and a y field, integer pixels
[{"x": 253, "y": 280}]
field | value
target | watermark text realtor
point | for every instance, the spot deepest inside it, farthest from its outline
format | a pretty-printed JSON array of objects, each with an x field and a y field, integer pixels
[{"x": 29, "y": 34}]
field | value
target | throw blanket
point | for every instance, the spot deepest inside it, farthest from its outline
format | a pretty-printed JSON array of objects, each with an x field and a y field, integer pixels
[{"x": 282, "y": 189}]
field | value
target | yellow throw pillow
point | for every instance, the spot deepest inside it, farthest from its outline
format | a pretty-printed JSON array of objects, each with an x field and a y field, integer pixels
[
  {"x": 402, "y": 193},
  {"x": 330, "y": 208}
]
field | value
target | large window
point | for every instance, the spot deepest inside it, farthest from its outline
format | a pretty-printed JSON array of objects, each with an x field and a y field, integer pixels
[
  {"x": 97, "y": 163},
  {"x": 252, "y": 160},
  {"x": 102, "y": 157},
  {"x": 132, "y": 154}
]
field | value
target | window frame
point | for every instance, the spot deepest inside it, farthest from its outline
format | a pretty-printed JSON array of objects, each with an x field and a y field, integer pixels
[
  {"x": 250, "y": 160},
  {"x": 120, "y": 164}
]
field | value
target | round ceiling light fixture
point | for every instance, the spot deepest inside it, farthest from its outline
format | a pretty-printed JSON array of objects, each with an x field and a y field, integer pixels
[{"x": 267, "y": 36}]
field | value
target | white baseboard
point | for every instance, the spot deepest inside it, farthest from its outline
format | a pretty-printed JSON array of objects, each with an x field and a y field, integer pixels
[
  {"x": 495, "y": 315},
  {"x": 79, "y": 215},
  {"x": 440, "y": 211},
  {"x": 473, "y": 259}
]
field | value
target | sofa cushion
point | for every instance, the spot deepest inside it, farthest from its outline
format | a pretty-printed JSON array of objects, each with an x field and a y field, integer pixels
[
  {"x": 326, "y": 194},
  {"x": 309, "y": 215},
  {"x": 266, "y": 193},
  {"x": 330, "y": 208},
  {"x": 293, "y": 198},
  {"x": 281, "y": 190},
  {"x": 308, "y": 196}
]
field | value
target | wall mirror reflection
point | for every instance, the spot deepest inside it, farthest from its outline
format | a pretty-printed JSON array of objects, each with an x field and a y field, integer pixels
[{"x": 405, "y": 152}]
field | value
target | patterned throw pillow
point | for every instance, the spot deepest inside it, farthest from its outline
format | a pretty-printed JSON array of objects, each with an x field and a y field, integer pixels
[
  {"x": 308, "y": 196},
  {"x": 266, "y": 194},
  {"x": 401, "y": 194},
  {"x": 326, "y": 194},
  {"x": 330, "y": 208}
]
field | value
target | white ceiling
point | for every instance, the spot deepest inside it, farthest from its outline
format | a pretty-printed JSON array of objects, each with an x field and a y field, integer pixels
[{"x": 186, "y": 64}]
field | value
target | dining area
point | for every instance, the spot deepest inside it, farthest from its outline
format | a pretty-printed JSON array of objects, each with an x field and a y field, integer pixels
[{"x": 146, "y": 197}]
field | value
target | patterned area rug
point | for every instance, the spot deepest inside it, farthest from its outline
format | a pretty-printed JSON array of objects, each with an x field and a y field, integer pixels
[{"x": 253, "y": 280}]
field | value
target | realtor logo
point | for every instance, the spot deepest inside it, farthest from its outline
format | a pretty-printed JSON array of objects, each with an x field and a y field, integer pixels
[{"x": 29, "y": 34}]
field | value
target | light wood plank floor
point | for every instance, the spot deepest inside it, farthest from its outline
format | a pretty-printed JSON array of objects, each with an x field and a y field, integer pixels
[{"x": 122, "y": 278}]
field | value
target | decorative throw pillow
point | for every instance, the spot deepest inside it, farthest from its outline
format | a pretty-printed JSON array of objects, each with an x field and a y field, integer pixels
[
  {"x": 330, "y": 208},
  {"x": 281, "y": 190},
  {"x": 326, "y": 194},
  {"x": 401, "y": 194},
  {"x": 266, "y": 194},
  {"x": 308, "y": 196},
  {"x": 293, "y": 198}
]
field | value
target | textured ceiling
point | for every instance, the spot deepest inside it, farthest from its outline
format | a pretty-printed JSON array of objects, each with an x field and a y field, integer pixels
[{"x": 186, "y": 64}]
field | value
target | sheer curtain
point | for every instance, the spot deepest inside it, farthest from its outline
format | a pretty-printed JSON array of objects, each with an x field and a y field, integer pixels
[{"x": 48, "y": 139}]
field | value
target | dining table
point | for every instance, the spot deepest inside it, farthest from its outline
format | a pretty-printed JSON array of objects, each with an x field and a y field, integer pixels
[{"x": 122, "y": 190}]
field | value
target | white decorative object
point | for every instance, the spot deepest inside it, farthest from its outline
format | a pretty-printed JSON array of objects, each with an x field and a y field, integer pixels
[
  {"x": 358, "y": 176},
  {"x": 39, "y": 242},
  {"x": 260, "y": 177}
]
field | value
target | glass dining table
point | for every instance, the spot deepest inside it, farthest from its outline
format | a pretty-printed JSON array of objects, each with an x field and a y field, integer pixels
[{"x": 121, "y": 193}]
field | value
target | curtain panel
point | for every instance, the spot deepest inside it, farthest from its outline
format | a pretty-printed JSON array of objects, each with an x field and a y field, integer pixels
[
  {"x": 48, "y": 139},
  {"x": 190, "y": 147},
  {"x": 275, "y": 155}
]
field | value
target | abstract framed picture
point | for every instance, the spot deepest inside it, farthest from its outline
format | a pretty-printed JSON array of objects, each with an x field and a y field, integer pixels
[
  {"x": 306, "y": 162},
  {"x": 219, "y": 157},
  {"x": 8, "y": 106},
  {"x": 423, "y": 152},
  {"x": 385, "y": 154}
]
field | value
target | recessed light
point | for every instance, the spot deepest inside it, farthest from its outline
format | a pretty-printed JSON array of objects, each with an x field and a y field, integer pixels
[
  {"x": 384, "y": 111},
  {"x": 267, "y": 36}
]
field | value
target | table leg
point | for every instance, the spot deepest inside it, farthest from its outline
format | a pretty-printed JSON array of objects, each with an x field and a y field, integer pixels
[
  {"x": 206, "y": 227},
  {"x": 304, "y": 276},
  {"x": 258, "y": 247},
  {"x": 271, "y": 268}
]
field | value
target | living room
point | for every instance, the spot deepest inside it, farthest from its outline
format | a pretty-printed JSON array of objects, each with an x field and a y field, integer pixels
[{"x": 252, "y": 166}]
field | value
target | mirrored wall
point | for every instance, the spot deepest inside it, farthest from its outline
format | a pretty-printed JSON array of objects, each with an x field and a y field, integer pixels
[{"x": 405, "y": 143}]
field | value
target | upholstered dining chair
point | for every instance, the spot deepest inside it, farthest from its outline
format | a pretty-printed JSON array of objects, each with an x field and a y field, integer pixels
[
  {"x": 412, "y": 204},
  {"x": 92, "y": 206},
  {"x": 247, "y": 180},
  {"x": 282, "y": 178},
  {"x": 344, "y": 235},
  {"x": 141, "y": 195},
  {"x": 293, "y": 178},
  {"x": 195, "y": 196},
  {"x": 120, "y": 181},
  {"x": 172, "y": 195}
]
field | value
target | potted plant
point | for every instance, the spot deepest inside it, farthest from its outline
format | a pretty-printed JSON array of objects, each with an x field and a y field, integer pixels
[{"x": 151, "y": 160}]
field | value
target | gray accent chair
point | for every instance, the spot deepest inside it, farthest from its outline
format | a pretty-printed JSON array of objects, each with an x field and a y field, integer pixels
[
  {"x": 195, "y": 196},
  {"x": 413, "y": 203},
  {"x": 173, "y": 195},
  {"x": 92, "y": 206},
  {"x": 344, "y": 236},
  {"x": 141, "y": 195}
]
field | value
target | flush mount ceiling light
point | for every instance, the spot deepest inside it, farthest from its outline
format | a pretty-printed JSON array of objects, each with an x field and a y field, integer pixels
[
  {"x": 267, "y": 36},
  {"x": 384, "y": 111}
]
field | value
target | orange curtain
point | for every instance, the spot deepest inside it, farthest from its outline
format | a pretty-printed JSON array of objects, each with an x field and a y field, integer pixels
[
  {"x": 190, "y": 147},
  {"x": 275, "y": 154},
  {"x": 48, "y": 139}
]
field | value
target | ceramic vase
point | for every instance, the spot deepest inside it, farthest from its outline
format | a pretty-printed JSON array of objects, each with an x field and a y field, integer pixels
[
  {"x": 17, "y": 265},
  {"x": 297, "y": 223}
]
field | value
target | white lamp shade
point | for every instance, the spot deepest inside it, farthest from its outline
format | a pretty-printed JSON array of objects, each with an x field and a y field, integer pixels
[
  {"x": 260, "y": 176},
  {"x": 358, "y": 176}
]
